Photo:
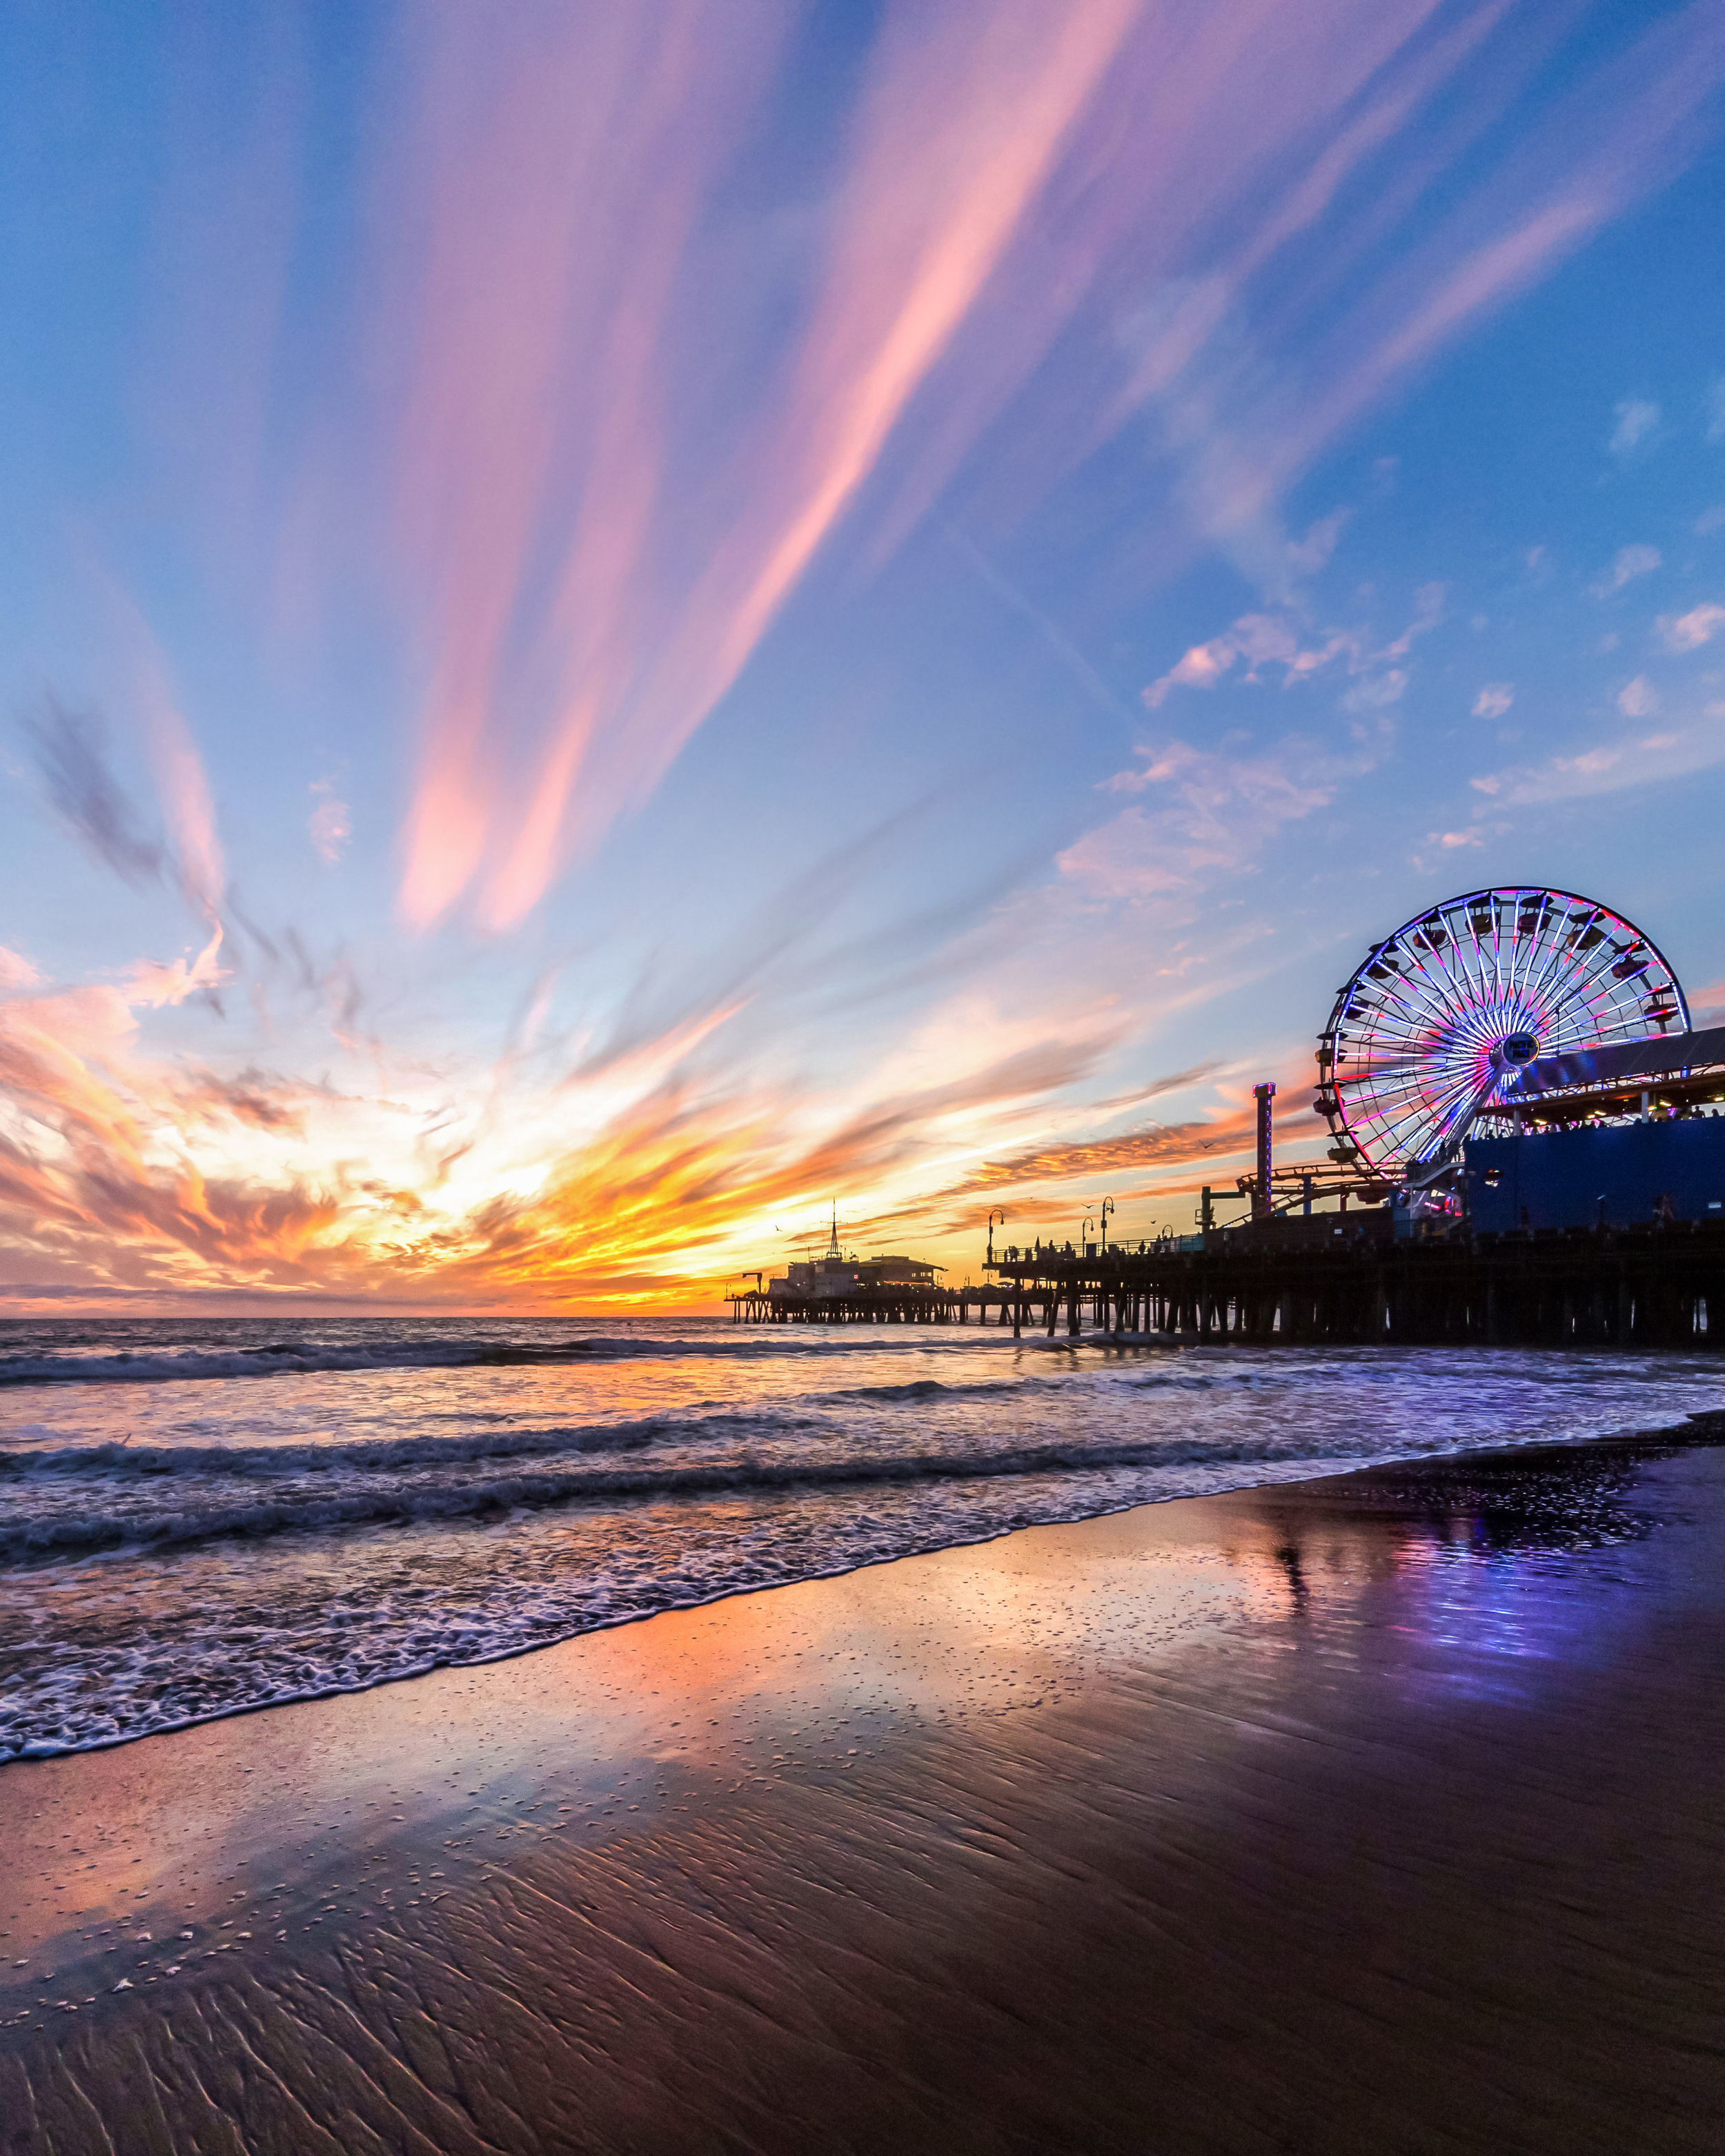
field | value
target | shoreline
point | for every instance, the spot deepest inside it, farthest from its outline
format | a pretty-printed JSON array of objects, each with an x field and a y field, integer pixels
[
  {"x": 28, "y": 1755},
  {"x": 875, "y": 1771}
]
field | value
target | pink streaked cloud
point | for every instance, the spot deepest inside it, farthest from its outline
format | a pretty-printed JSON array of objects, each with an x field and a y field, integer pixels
[
  {"x": 1617, "y": 134},
  {"x": 589, "y": 585},
  {"x": 553, "y": 280},
  {"x": 543, "y": 209},
  {"x": 187, "y": 808}
]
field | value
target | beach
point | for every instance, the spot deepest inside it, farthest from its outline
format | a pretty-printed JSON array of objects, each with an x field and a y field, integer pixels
[{"x": 1374, "y": 1811}]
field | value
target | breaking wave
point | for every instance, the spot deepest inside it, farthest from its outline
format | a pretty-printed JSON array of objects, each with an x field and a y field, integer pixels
[
  {"x": 28, "y": 1535},
  {"x": 299, "y": 1357}
]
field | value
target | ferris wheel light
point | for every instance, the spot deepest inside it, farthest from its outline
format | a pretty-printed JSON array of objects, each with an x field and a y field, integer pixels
[{"x": 1441, "y": 1017}]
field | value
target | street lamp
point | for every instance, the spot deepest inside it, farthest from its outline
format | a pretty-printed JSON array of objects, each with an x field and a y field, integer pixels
[
  {"x": 996, "y": 1214},
  {"x": 1108, "y": 1207}
]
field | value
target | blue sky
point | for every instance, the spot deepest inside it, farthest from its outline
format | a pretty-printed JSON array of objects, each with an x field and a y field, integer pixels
[{"x": 616, "y": 630}]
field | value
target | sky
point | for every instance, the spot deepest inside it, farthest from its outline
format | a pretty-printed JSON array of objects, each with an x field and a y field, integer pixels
[{"x": 622, "y": 627}]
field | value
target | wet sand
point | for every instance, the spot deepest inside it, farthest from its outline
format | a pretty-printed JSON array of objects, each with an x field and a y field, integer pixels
[{"x": 1383, "y": 1813}]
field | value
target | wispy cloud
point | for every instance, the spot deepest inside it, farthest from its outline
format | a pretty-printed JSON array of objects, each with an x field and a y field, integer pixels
[
  {"x": 560, "y": 160},
  {"x": 1376, "y": 692},
  {"x": 1688, "y": 632},
  {"x": 184, "y": 788},
  {"x": 1618, "y": 134},
  {"x": 1307, "y": 556},
  {"x": 71, "y": 754},
  {"x": 1220, "y": 1137},
  {"x": 1638, "y": 699},
  {"x": 70, "y": 749},
  {"x": 330, "y": 825},
  {"x": 1207, "y": 811},
  {"x": 1631, "y": 562},
  {"x": 1636, "y": 418},
  {"x": 957, "y": 130},
  {"x": 1260, "y": 642},
  {"x": 1494, "y": 699},
  {"x": 1612, "y": 767}
]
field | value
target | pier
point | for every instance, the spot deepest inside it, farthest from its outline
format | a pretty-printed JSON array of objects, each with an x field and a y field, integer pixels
[
  {"x": 1311, "y": 1282},
  {"x": 1653, "y": 1287}
]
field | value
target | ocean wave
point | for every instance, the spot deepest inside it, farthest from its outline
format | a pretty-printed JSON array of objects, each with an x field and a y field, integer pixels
[
  {"x": 61, "y": 1532},
  {"x": 300, "y": 1357},
  {"x": 915, "y": 1389},
  {"x": 154, "y": 1585},
  {"x": 285, "y": 1357},
  {"x": 386, "y": 1454}
]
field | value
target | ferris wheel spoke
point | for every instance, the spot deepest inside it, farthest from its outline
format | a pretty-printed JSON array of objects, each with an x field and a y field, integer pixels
[
  {"x": 1545, "y": 946},
  {"x": 1468, "y": 952},
  {"x": 1545, "y": 980}
]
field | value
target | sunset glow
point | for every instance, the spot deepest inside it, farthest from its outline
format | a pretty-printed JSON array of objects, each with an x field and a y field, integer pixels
[{"x": 624, "y": 626}]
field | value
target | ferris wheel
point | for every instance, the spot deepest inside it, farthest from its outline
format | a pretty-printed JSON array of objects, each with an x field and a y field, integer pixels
[{"x": 1430, "y": 1033}]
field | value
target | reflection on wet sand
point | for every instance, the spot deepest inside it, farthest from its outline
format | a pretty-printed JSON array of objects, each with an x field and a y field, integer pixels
[{"x": 1368, "y": 1813}]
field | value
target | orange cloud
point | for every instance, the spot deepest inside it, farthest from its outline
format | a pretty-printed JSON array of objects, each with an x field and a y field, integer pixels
[
  {"x": 670, "y": 1196},
  {"x": 622, "y": 1184}
]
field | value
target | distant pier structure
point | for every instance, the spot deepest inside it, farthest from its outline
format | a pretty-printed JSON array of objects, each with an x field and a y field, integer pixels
[{"x": 841, "y": 1288}]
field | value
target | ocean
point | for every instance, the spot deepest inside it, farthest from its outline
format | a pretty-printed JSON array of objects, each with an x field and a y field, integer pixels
[{"x": 197, "y": 1519}]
